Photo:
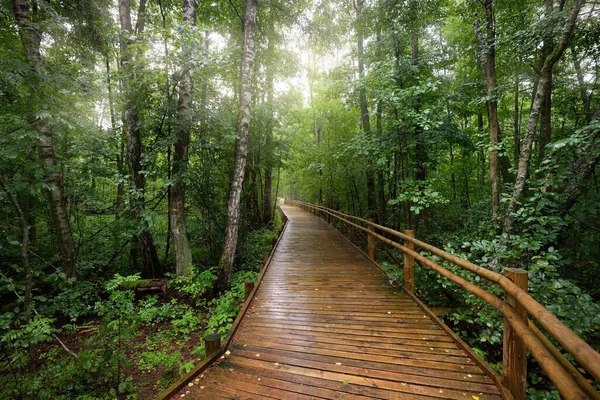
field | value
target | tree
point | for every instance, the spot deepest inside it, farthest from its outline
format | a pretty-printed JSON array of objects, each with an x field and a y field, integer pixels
[
  {"x": 539, "y": 97},
  {"x": 241, "y": 149},
  {"x": 131, "y": 66},
  {"x": 183, "y": 252},
  {"x": 365, "y": 120},
  {"x": 39, "y": 120}
]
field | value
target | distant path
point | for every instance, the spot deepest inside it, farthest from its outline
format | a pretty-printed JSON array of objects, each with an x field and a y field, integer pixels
[{"x": 325, "y": 323}]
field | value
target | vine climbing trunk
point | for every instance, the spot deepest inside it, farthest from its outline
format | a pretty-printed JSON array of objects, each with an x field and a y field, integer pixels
[
  {"x": 241, "y": 151},
  {"x": 151, "y": 267},
  {"x": 183, "y": 252},
  {"x": 31, "y": 37}
]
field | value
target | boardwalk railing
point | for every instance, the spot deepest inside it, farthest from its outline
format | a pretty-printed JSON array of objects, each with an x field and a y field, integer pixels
[{"x": 520, "y": 333}]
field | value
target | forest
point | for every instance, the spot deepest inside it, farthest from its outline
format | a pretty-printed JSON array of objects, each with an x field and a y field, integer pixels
[{"x": 150, "y": 140}]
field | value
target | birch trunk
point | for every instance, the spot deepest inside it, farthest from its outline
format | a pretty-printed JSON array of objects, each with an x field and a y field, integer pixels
[
  {"x": 241, "y": 151},
  {"x": 183, "y": 252},
  {"x": 30, "y": 40}
]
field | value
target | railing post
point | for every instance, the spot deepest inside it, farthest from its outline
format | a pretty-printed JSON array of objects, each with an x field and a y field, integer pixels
[
  {"x": 248, "y": 287},
  {"x": 352, "y": 233},
  {"x": 514, "y": 350},
  {"x": 371, "y": 241},
  {"x": 212, "y": 343},
  {"x": 409, "y": 264}
]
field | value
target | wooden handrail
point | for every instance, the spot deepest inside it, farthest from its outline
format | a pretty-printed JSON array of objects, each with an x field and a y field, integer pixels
[{"x": 560, "y": 374}]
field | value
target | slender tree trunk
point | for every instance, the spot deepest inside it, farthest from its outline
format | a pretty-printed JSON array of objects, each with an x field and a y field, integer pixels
[
  {"x": 113, "y": 126},
  {"x": 364, "y": 108},
  {"x": 546, "y": 108},
  {"x": 542, "y": 87},
  {"x": 151, "y": 267},
  {"x": 267, "y": 216},
  {"x": 516, "y": 122},
  {"x": 420, "y": 150},
  {"x": 381, "y": 201},
  {"x": 492, "y": 103},
  {"x": 585, "y": 100},
  {"x": 183, "y": 252},
  {"x": 546, "y": 117},
  {"x": 23, "y": 224},
  {"x": 481, "y": 154},
  {"x": 452, "y": 175},
  {"x": 30, "y": 40},
  {"x": 241, "y": 151}
]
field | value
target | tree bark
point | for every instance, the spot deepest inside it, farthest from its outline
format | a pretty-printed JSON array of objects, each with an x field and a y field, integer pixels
[
  {"x": 183, "y": 252},
  {"x": 546, "y": 108},
  {"x": 241, "y": 152},
  {"x": 492, "y": 103},
  {"x": 364, "y": 108},
  {"x": 30, "y": 40},
  {"x": 583, "y": 92},
  {"x": 267, "y": 216},
  {"x": 516, "y": 122},
  {"x": 381, "y": 201},
  {"x": 540, "y": 94},
  {"x": 151, "y": 267}
]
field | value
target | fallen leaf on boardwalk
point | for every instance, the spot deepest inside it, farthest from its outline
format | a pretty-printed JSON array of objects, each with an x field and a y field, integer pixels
[
  {"x": 345, "y": 382},
  {"x": 338, "y": 363},
  {"x": 389, "y": 312},
  {"x": 469, "y": 375},
  {"x": 191, "y": 384},
  {"x": 475, "y": 397},
  {"x": 403, "y": 384},
  {"x": 259, "y": 379},
  {"x": 202, "y": 387},
  {"x": 276, "y": 364},
  {"x": 228, "y": 352},
  {"x": 257, "y": 355},
  {"x": 316, "y": 289}
]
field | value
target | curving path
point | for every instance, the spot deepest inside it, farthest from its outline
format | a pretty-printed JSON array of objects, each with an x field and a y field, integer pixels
[{"x": 326, "y": 324}]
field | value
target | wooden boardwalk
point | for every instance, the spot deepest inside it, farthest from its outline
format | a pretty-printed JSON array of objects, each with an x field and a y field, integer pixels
[{"x": 326, "y": 324}]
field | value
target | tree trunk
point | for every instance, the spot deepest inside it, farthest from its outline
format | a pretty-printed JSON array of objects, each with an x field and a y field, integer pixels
[
  {"x": 267, "y": 216},
  {"x": 585, "y": 100},
  {"x": 241, "y": 151},
  {"x": 492, "y": 103},
  {"x": 546, "y": 108},
  {"x": 452, "y": 175},
  {"x": 381, "y": 201},
  {"x": 30, "y": 40},
  {"x": 364, "y": 108},
  {"x": 546, "y": 118},
  {"x": 151, "y": 267},
  {"x": 542, "y": 87},
  {"x": 183, "y": 252},
  {"x": 516, "y": 123}
]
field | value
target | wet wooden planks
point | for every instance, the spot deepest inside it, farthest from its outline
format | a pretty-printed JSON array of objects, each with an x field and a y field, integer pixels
[{"x": 326, "y": 324}]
